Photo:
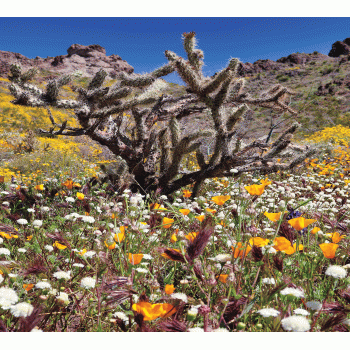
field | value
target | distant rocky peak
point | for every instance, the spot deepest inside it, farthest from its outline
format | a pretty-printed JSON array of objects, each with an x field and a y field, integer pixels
[
  {"x": 86, "y": 51},
  {"x": 340, "y": 48}
]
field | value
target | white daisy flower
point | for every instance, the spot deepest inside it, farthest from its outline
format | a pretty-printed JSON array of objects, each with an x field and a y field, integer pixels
[
  {"x": 295, "y": 324},
  {"x": 88, "y": 282},
  {"x": 336, "y": 271},
  {"x": 22, "y": 310},
  {"x": 22, "y": 222},
  {"x": 268, "y": 312}
]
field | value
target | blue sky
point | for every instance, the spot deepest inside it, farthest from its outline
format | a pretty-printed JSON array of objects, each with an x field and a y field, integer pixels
[{"x": 141, "y": 41}]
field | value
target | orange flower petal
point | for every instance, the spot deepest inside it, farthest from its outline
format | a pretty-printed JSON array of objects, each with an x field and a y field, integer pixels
[
  {"x": 273, "y": 216},
  {"x": 220, "y": 200},
  {"x": 135, "y": 259},
  {"x": 328, "y": 249}
]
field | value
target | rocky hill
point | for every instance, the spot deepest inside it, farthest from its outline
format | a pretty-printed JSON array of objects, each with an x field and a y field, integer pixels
[{"x": 87, "y": 59}]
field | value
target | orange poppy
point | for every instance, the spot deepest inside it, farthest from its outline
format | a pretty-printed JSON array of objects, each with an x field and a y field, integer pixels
[
  {"x": 152, "y": 311},
  {"x": 281, "y": 243},
  {"x": 28, "y": 287},
  {"x": 220, "y": 200},
  {"x": 255, "y": 190},
  {"x": 167, "y": 222},
  {"x": 80, "y": 195},
  {"x": 39, "y": 187},
  {"x": 265, "y": 182},
  {"x": 70, "y": 184},
  {"x": 200, "y": 218},
  {"x": 135, "y": 259},
  {"x": 223, "y": 278},
  {"x": 173, "y": 238},
  {"x": 30, "y": 237},
  {"x": 258, "y": 241},
  {"x": 6, "y": 235},
  {"x": 328, "y": 249},
  {"x": 336, "y": 237},
  {"x": 300, "y": 223},
  {"x": 187, "y": 193},
  {"x": 239, "y": 252},
  {"x": 169, "y": 289},
  {"x": 110, "y": 246},
  {"x": 292, "y": 249},
  {"x": 119, "y": 237},
  {"x": 191, "y": 236},
  {"x": 315, "y": 230},
  {"x": 211, "y": 211},
  {"x": 157, "y": 206},
  {"x": 273, "y": 216},
  {"x": 184, "y": 211}
]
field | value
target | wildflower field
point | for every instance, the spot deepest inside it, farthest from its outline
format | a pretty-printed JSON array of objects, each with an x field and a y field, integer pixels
[{"x": 250, "y": 254}]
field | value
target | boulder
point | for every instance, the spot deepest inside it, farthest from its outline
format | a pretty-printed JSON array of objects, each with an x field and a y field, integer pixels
[
  {"x": 340, "y": 48},
  {"x": 86, "y": 51}
]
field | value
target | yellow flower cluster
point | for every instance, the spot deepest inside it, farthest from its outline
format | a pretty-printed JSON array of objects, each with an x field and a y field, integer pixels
[{"x": 336, "y": 135}]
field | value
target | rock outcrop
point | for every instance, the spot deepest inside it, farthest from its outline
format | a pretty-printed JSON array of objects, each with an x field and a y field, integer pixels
[
  {"x": 340, "y": 48},
  {"x": 87, "y": 59}
]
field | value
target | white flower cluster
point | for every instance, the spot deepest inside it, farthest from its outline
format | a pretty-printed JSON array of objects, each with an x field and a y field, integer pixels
[
  {"x": 296, "y": 324},
  {"x": 22, "y": 310},
  {"x": 8, "y": 297},
  {"x": 62, "y": 275},
  {"x": 88, "y": 282},
  {"x": 336, "y": 271},
  {"x": 293, "y": 291}
]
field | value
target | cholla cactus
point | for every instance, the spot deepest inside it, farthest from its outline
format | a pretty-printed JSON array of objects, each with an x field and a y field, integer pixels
[{"x": 151, "y": 155}]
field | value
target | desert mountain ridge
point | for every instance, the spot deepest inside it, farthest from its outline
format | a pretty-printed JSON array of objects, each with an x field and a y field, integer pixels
[{"x": 90, "y": 59}]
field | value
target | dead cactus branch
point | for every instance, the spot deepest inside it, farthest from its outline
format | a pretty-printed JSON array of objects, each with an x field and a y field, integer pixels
[{"x": 125, "y": 117}]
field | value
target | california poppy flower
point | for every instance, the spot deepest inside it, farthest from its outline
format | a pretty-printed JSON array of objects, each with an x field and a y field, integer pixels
[
  {"x": 157, "y": 206},
  {"x": 220, "y": 200},
  {"x": 169, "y": 289},
  {"x": 200, "y": 218},
  {"x": 211, "y": 211},
  {"x": 119, "y": 237},
  {"x": 328, "y": 249},
  {"x": 258, "y": 241},
  {"x": 57, "y": 245},
  {"x": 315, "y": 230},
  {"x": 281, "y": 243},
  {"x": 173, "y": 238},
  {"x": 300, "y": 223},
  {"x": 167, "y": 222},
  {"x": 191, "y": 236},
  {"x": 255, "y": 190},
  {"x": 110, "y": 246},
  {"x": 6, "y": 235},
  {"x": 70, "y": 184},
  {"x": 39, "y": 187},
  {"x": 152, "y": 311},
  {"x": 80, "y": 196},
  {"x": 273, "y": 216},
  {"x": 336, "y": 237},
  {"x": 240, "y": 251},
  {"x": 265, "y": 182},
  {"x": 135, "y": 259},
  {"x": 223, "y": 278},
  {"x": 292, "y": 249},
  {"x": 184, "y": 211},
  {"x": 28, "y": 287},
  {"x": 187, "y": 193}
]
